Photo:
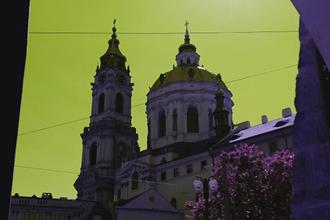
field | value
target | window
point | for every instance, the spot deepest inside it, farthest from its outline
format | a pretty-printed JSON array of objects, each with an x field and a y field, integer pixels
[
  {"x": 101, "y": 103},
  {"x": 175, "y": 120},
  {"x": 281, "y": 123},
  {"x": 162, "y": 124},
  {"x": 203, "y": 165},
  {"x": 163, "y": 160},
  {"x": 135, "y": 180},
  {"x": 272, "y": 146},
  {"x": 163, "y": 176},
  {"x": 148, "y": 135},
  {"x": 97, "y": 217},
  {"x": 34, "y": 216},
  {"x": 118, "y": 194},
  {"x": 61, "y": 217},
  {"x": 119, "y": 103},
  {"x": 188, "y": 60},
  {"x": 210, "y": 120},
  {"x": 176, "y": 172},
  {"x": 192, "y": 120},
  {"x": 92, "y": 154},
  {"x": 173, "y": 202},
  {"x": 189, "y": 168}
]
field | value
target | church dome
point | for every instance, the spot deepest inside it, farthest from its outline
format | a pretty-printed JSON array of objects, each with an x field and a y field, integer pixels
[
  {"x": 187, "y": 74},
  {"x": 188, "y": 68},
  {"x": 181, "y": 102}
]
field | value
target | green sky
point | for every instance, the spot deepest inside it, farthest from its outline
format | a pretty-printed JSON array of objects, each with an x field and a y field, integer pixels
[{"x": 60, "y": 67}]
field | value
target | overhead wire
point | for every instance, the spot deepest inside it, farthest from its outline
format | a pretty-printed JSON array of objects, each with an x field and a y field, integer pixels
[
  {"x": 140, "y": 104},
  {"x": 159, "y": 33},
  {"x": 76, "y": 173}
]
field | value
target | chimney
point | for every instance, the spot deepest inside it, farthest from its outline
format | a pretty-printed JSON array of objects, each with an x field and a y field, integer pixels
[
  {"x": 264, "y": 119},
  {"x": 244, "y": 125},
  {"x": 286, "y": 112}
]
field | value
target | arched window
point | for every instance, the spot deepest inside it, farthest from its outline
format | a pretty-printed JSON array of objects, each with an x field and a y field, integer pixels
[
  {"x": 210, "y": 120},
  {"x": 162, "y": 124},
  {"x": 119, "y": 194},
  {"x": 119, "y": 103},
  {"x": 123, "y": 155},
  {"x": 175, "y": 120},
  {"x": 192, "y": 120},
  {"x": 92, "y": 154},
  {"x": 135, "y": 180},
  {"x": 188, "y": 60},
  {"x": 101, "y": 103},
  {"x": 173, "y": 202},
  {"x": 148, "y": 136}
]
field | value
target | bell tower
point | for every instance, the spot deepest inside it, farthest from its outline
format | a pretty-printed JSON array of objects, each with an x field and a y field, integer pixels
[{"x": 109, "y": 139}]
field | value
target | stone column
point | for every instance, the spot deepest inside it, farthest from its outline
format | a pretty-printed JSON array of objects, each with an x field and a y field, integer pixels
[{"x": 311, "y": 140}]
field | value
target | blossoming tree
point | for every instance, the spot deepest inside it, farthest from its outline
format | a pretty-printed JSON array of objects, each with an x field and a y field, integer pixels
[{"x": 254, "y": 185}]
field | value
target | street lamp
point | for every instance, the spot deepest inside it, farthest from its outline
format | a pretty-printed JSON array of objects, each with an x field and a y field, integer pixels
[{"x": 202, "y": 186}]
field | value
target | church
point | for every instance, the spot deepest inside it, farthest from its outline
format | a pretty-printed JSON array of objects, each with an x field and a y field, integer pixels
[{"x": 189, "y": 115}]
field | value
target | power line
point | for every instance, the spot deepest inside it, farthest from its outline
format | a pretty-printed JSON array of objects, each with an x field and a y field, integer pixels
[
  {"x": 63, "y": 123},
  {"x": 53, "y": 126},
  {"x": 159, "y": 33},
  {"x": 44, "y": 169},
  {"x": 140, "y": 104},
  {"x": 260, "y": 74},
  {"x": 72, "y": 172}
]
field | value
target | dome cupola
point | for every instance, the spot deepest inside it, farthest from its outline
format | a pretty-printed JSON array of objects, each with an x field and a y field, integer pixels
[{"x": 187, "y": 55}]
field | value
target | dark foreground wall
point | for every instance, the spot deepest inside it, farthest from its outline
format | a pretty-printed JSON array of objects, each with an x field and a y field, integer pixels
[
  {"x": 311, "y": 167},
  {"x": 13, "y": 50}
]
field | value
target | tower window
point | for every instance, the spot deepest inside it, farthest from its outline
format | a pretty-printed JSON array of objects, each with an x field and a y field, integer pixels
[
  {"x": 163, "y": 160},
  {"x": 101, "y": 103},
  {"x": 162, "y": 124},
  {"x": 119, "y": 103},
  {"x": 175, "y": 120},
  {"x": 135, "y": 180},
  {"x": 119, "y": 194},
  {"x": 148, "y": 135},
  {"x": 192, "y": 120},
  {"x": 173, "y": 202},
  {"x": 92, "y": 154},
  {"x": 203, "y": 165},
  {"x": 176, "y": 172},
  {"x": 210, "y": 120},
  {"x": 163, "y": 176},
  {"x": 189, "y": 168}
]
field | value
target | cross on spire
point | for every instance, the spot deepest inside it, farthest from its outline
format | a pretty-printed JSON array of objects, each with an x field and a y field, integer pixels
[
  {"x": 186, "y": 37},
  {"x": 114, "y": 29},
  {"x": 186, "y": 24}
]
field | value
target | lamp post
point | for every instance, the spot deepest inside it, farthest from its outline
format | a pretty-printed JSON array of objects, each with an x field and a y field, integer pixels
[
  {"x": 227, "y": 215},
  {"x": 202, "y": 186}
]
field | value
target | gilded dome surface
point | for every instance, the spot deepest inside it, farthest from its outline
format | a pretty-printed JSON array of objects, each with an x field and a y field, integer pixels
[{"x": 187, "y": 74}]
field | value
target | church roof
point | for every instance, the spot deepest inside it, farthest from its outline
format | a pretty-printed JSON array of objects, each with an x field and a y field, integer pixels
[
  {"x": 263, "y": 128},
  {"x": 186, "y": 74},
  {"x": 148, "y": 200}
]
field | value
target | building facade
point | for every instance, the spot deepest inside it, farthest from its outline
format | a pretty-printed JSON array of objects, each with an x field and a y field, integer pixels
[
  {"x": 189, "y": 110},
  {"x": 189, "y": 114}
]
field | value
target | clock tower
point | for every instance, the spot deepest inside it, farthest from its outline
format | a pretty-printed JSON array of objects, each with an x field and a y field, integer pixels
[{"x": 109, "y": 139}]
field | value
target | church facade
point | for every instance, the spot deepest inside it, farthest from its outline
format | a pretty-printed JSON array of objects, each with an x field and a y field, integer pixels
[
  {"x": 189, "y": 111},
  {"x": 189, "y": 114}
]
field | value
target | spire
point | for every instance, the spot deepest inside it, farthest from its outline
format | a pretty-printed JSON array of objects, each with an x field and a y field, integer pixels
[
  {"x": 114, "y": 29},
  {"x": 186, "y": 36},
  {"x": 187, "y": 55},
  {"x": 113, "y": 57}
]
